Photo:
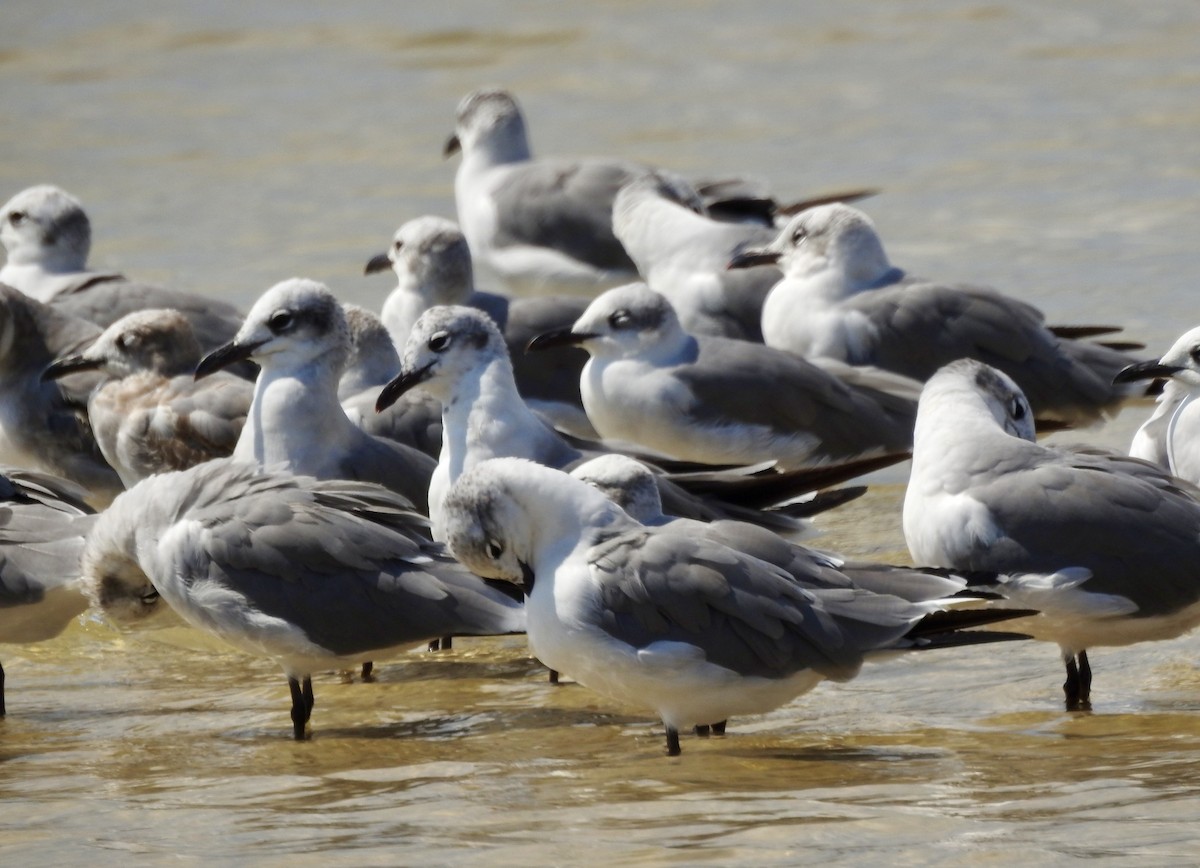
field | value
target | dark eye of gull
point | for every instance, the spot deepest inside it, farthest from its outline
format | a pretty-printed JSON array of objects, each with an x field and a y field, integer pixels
[
  {"x": 1195, "y": 353},
  {"x": 439, "y": 342},
  {"x": 620, "y": 319},
  {"x": 122, "y": 342},
  {"x": 16, "y": 218},
  {"x": 280, "y": 321},
  {"x": 799, "y": 235},
  {"x": 494, "y": 550},
  {"x": 1018, "y": 408}
]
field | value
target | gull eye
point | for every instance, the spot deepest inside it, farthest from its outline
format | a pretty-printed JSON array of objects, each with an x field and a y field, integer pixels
[
  {"x": 439, "y": 342},
  {"x": 1195, "y": 353},
  {"x": 1018, "y": 409},
  {"x": 494, "y": 550},
  {"x": 620, "y": 319},
  {"x": 16, "y": 218},
  {"x": 122, "y": 342},
  {"x": 799, "y": 235},
  {"x": 399, "y": 245},
  {"x": 280, "y": 321}
]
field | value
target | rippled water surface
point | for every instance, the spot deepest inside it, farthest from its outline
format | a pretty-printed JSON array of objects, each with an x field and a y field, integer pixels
[{"x": 221, "y": 147}]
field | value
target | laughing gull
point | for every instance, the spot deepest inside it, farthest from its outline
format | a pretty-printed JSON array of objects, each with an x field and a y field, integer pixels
[
  {"x": 841, "y": 298},
  {"x": 315, "y": 575},
  {"x": 432, "y": 263},
  {"x": 682, "y": 253},
  {"x": 297, "y": 333},
  {"x": 535, "y": 226},
  {"x": 150, "y": 415},
  {"x": 1110, "y": 542},
  {"x": 44, "y": 425},
  {"x": 457, "y": 356},
  {"x": 43, "y": 523},
  {"x": 1171, "y": 436},
  {"x": 721, "y": 401},
  {"x": 668, "y": 619},
  {"x": 373, "y": 358},
  {"x": 48, "y": 237}
]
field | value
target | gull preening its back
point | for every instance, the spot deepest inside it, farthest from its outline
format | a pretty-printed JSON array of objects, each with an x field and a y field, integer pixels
[
  {"x": 1107, "y": 543},
  {"x": 841, "y": 298}
]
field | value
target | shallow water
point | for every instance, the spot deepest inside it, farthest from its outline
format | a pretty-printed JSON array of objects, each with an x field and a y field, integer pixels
[{"x": 224, "y": 146}]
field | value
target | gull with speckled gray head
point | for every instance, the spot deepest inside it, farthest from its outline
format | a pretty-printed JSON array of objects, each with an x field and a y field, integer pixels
[
  {"x": 841, "y": 298},
  {"x": 669, "y": 618},
  {"x": 48, "y": 238},
  {"x": 314, "y": 575},
  {"x": 150, "y": 415},
  {"x": 721, "y": 401},
  {"x": 1109, "y": 543},
  {"x": 298, "y": 335}
]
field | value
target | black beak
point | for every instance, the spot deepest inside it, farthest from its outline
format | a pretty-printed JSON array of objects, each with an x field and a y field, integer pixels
[
  {"x": 453, "y": 146},
  {"x": 750, "y": 257},
  {"x": 224, "y": 356},
  {"x": 59, "y": 368},
  {"x": 379, "y": 262},
  {"x": 558, "y": 338},
  {"x": 400, "y": 384},
  {"x": 1146, "y": 371},
  {"x": 527, "y": 578}
]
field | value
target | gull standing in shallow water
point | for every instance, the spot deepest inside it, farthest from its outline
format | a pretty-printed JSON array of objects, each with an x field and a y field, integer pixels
[
  {"x": 297, "y": 333},
  {"x": 668, "y": 618},
  {"x": 314, "y": 575},
  {"x": 43, "y": 524},
  {"x": 1109, "y": 544},
  {"x": 721, "y": 401},
  {"x": 150, "y": 415},
  {"x": 841, "y": 298},
  {"x": 48, "y": 237}
]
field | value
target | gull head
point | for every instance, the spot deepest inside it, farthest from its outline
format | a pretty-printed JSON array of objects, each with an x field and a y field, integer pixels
[
  {"x": 1181, "y": 363},
  {"x": 487, "y": 525},
  {"x": 969, "y": 389},
  {"x": 489, "y": 120},
  {"x": 625, "y": 481},
  {"x": 110, "y": 572},
  {"x": 829, "y": 238},
  {"x": 446, "y": 345},
  {"x": 46, "y": 226},
  {"x": 294, "y": 325},
  {"x": 158, "y": 341},
  {"x": 430, "y": 257},
  {"x": 631, "y": 321},
  {"x": 373, "y": 358}
]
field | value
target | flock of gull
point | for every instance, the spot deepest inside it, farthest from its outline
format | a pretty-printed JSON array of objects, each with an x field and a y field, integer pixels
[{"x": 615, "y": 451}]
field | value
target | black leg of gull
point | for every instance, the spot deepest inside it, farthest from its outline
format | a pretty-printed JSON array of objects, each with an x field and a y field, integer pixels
[
  {"x": 673, "y": 741},
  {"x": 703, "y": 730},
  {"x": 367, "y": 669},
  {"x": 718, "y": 728},
  {"x": 1077, "y": 687},
  {"x": 554, "y": 676},
  {"x": 2, "y": 712},
  {"x": 302, "y": 702},
  {"x": 1085, "y": 680}
]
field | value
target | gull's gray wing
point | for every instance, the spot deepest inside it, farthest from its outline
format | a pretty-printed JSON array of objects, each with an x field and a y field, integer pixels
[
  {"x": 666, "y": 585},
  {"x": 762, "y": 386},
  {"x": 1136, "y": 527},
  {"x": 393, "y": 465},
  {"x": 414, "y": 420},
  {"x": 917, "y": 327},
  {"x": 551, "y": 375},
  {"x": 565, "y": 205}
]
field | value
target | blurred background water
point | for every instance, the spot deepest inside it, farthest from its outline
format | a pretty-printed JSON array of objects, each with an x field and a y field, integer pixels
[{"x": 1049, "y": 150}]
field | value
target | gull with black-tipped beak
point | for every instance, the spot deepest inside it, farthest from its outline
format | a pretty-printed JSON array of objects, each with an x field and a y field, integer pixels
[
  {"x": 672, "y": 619},
  {"x": 1108, "y": 543},
  {"x": 298, "y": 335},
  {"x": 841, "y": 298}
]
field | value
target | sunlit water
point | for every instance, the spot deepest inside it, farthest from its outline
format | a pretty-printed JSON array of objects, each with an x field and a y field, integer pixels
[{"x": 221, "y": 147}]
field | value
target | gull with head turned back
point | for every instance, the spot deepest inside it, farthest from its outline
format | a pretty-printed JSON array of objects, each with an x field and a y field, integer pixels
[
  {"x": 1106, "y": 543},
  {"x": 841, "y": 298}
]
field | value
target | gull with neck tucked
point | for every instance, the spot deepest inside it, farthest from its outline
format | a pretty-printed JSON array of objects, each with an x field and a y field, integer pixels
[
  {"x": 721, "y": 401},
  {"x": 841, "y": 298},
  {"x": 48, "y": 237},
  {"x": 1108, "y": 542},
  {"x": 314, "y": 575},
  {"x": 668, "y": 618},
  {"x": 298, "y": 335},
  {"x": 150, "y": 415}
]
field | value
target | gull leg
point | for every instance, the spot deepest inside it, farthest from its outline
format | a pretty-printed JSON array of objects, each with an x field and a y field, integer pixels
[
  {"x": 1073, "y": 687},
  {"x": 719, "y": 728},
  {"x": 367, "y": 669},
  {"x": 2, "y": 712},
  {"x": 702, "y": 729},
  {"x": 673, "y": 741},
  {"x": 554, "y": 676},
  {"x": 302, "y": 703},
  {"x": 1085, "y": 680}
]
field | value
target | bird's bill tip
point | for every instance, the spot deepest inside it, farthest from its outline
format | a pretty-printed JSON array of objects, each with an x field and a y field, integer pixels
[
  {"x": 378, "y": 262},
  {"x": 558, "y": 338},
  {"x": 400, "y": 384},
  {"x": 452, "y": 147},
  {"x": 224, "y": 356},
  {"x": 750, "y": 257},
  {"x": 1145, "y": 371},
  {"x": 61, "y": 367}
]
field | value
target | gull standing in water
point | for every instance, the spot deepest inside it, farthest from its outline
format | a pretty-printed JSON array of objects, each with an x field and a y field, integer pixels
[
  {"x": 671, "y": 619},
  {"x": 150, "y": 415},
  {"x": 1109, "y": 543},
  {"x": 297, "y": 334},
  {"x": 43, "y": 524},
  {"x": 841, "y": 298},
  {"x": 721, "y": 401},
  {"x": 1171, "y": 436},
  {"x": 48, "y": 237},
  {"x": 315, "y": 575}
]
